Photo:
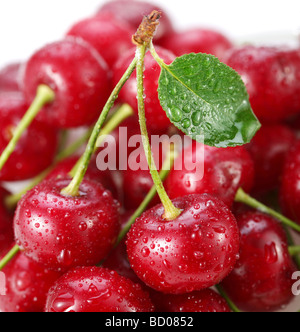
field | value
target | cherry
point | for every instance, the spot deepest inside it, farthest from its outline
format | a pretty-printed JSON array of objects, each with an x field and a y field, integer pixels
[
  {"x": 63, "y": 169},
  {"x": 106, "y": 34},
  {"x": 63, "y": 232},
  {"x": 290, "y": 185},
  {"x": 157, "y": 120},
  {"x": 27, "y": 285},
  {"x": 37, "y": 147},
  {"x": 6, "y": 223},
  {"x": 197, "y": 41},
  {"x": 118, "y": 259},
  {"x": 10, "y": 78},
  {"x": 193, "y": 252},
  {"x": 225, "y": 171},
  {"x": 272, "y": 77},
  {"x": 203, "y": 301},
  {"x": 268, "y": 150},
  {"x": 77, "y": 74},
  {"x": 262, "y": 277},
  {"x": 93, "y": 289},
  {"x": 132, "y": 12}
]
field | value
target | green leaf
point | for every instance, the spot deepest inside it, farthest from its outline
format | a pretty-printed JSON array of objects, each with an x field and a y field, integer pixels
[{"x": 204, "y": 97}]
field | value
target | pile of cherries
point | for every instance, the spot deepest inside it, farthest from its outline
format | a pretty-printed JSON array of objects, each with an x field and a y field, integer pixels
[{"x": 68, "y": 260}]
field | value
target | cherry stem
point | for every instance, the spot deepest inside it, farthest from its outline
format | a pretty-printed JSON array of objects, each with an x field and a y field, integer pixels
[
  {"x": 73, "y": 188},
  {"x": 232, "y": 306},
  {"x": 12, "y": 253},
  {"x": 171, "y": 212},
  {"x": 294, "y": 250},
  {"x": 166, "y": 168},
  {"x": 244, "y": 198},
  {"x": 291, "y": 243},
  {"x": 44, "y": 96},
  {"x": 124, "y": 112}
]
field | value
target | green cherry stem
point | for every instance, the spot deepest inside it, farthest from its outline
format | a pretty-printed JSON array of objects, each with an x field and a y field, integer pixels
[
  {"x": 244, "y": 198},
  {"x": 231, "y": 305},
  {"x": 124, "y": 112},
  {"x": 167, "y": 166},
  {"x": 171, "y": 212},
  {"x": 44, "y": 96},
  {"x": 294, "y": 250},
  {"x": 73, "y": 187},
  {"x": 12, "y": 253}
]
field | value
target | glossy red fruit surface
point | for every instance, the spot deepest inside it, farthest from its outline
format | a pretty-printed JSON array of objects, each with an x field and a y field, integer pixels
[
  {"x": 6, "y": 223},
  {"x": 197, "y": 41},
  {"x": 79, "y": 77},
  {"x": 203, "y": 301},
  {"x": 225, "y": 171},
  {"x": 193, "y": 252},
  {"x": 262, "y": 277},
  {"x": 269, "y": 149},
  {"x": 100, "y": 31},
  {"x": 290, "y": 185},
  {"x": 132, "y": 12},
  {"x": 272, "y": 78},
  {"x": 157, "y": 120},
  {"x": 94, "y": 289},
  {"x": 35, "y": 150},
  {"x": 10, "y": 78},
  {"x": 27, "y": 285},
  {"x": 63, "y": 232},
  {"x": 63, "y": 169}
]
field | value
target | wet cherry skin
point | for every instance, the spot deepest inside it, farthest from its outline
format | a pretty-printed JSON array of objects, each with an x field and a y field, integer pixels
[
  {"x": 63, "y": 232},
  {"x": 269, "y": 149},
  {"x": 201, "y": 301},
  {"x": 10, "y": 77},
  {"x": 157, "y": 120},
  {"x": 27, "y": 285},
  {"x": 63, "y": 169},
  {"x": 100, "y": 31},
  {"x": 37, "y": 147},
  {"x": 290, "y": 185},
  {"x": 262, "y": 277},
  {"x": 94, "y": 289},
  {"x": 6, "y": 223},
  {"x": 272, "y": 78},
  {"x": 193, "y": 252},
  {"x": 225, "y": 171},
  {"x": 132, "y": 13},
  {"x": 79, "y": 77},
  {"x": 197, "y": 41}
]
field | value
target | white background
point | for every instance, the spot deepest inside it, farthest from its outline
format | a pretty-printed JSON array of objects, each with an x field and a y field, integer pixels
[{"x": 26, "y": 25}]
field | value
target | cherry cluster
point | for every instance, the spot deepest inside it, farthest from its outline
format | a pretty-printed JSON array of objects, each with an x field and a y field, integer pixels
[{"x": 84, "y": 240}]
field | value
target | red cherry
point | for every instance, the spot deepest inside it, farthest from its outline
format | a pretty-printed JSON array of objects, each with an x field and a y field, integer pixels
[
  {"x": 94, "y": 289},
  {"x": 262, "y": 277},
  {"x": 203, "y": 301},
  {"x": 108, "y": 36},
  {"x": 290, "y": 185},
  {"x": 132, "y": 12},
  {"x": 36, "y": 149},
  {"x": 197, "y": 41},
  {"x": 193, "y": 252},
  {"x": 27, "y": 285},
  {"x": 6, "y": 223},
  {"x": 157, "y": 120},
  {"x": 269, "y": 149},
  {"x": 64, "y": 232},
  {"x": 225, "y": 171},
  {"x": 78, "y": 76},
  {"x": 272, "y": 77},
  {"x": 10, "y": 78},
  {"x": 63, "y": 169}
]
